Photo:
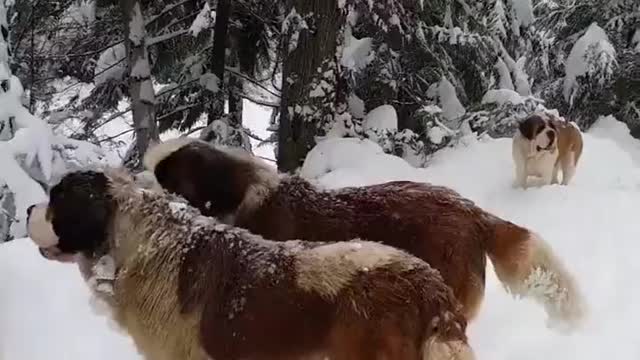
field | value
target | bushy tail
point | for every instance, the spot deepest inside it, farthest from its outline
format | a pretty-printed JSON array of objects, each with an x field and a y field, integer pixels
[{"x": 527, "y": 266}]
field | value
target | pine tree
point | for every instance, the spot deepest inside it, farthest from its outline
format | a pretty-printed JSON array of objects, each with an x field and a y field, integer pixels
[{"x": 311, "y": 94}]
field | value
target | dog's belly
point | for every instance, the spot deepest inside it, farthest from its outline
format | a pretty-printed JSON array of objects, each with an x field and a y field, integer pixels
[{"x": 541, "y": 164}]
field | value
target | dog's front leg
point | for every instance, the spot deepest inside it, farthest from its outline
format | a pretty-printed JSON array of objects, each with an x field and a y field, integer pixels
[
  {"x": 556, "y": 170},
  {"x": 520, "y": 174},
  {"x": 547, "y": 175}
]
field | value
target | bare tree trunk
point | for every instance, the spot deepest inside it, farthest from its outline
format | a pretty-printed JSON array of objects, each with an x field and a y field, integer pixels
[
  {"x": 310, "y": 77},
  {"x": 140, "y": 85},
  {"x": 218, "y": 55},
  {"x": 235, "y": 86}
]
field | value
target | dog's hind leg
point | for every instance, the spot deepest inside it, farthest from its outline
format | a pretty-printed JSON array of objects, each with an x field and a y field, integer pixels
[
  {"x": 556, "y": 169},
  {"x": 568, "y": 168}
]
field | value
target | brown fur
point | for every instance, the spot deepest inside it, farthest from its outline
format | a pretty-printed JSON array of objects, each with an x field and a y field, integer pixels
[
  {"x": 434, "y": 223},
  {"x": 569, "y": 144},
  {"x": 189, "y": 288}
]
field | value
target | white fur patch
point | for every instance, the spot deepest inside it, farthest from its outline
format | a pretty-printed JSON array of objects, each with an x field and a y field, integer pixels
[
  {"x": 547, "y": 281},
  {"x": 147, "y": 180},
  {"x": 40, "y": 230},
  {"x": 453, "y": 350},
  {"x": 156, "y": 153},
  {"x": 329, "y": 268}
]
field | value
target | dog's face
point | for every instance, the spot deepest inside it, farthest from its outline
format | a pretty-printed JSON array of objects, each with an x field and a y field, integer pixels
[
  {"x": 76, "y": 218},
  {"x": 540, "y": 131}
]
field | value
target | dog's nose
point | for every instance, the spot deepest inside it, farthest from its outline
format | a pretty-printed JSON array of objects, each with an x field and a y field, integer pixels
[{"x": 30, "y": 209}]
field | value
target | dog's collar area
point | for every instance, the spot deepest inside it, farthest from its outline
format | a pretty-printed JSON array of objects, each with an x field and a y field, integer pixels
[{"x": 549, "y": 148}]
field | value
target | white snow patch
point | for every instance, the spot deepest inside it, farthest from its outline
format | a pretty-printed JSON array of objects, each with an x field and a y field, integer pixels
[
  {"x": 436, "y": 134},
  {"x": 110, "y": 64},
  {"x": 205, "y": 19},
  {"x": 521, "y": 79},
  {"x": 505, "y": 81},
  {"x": 577, "y": 64},
  {"x": 523, "y": 11},
  {"x": 136, "y": 25},
  {"x": 210, "y": 82},
  {"x": 46, "y": 312},
  {"x": 337, "y": 162},
  {"x": 383, "y": 117},
  {"x": 608, "y": 127},
  {"x": 445, "y": 93},
  {"x": 502, "y": 96},
  {"x": 356, "y": 53}
]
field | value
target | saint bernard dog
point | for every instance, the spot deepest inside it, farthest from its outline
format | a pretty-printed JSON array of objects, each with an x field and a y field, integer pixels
[
  {"x": 187, "y": 287},
  {"x": 434, "y": 223},
  {"x": 542, "y": 146}
]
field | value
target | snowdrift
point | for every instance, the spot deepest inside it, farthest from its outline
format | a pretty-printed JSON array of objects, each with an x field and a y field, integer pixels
[{"x": 592, "y": 224}]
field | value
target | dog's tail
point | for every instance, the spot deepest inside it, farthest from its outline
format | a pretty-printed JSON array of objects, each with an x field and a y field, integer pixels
[{"x": 528, "y": 267}]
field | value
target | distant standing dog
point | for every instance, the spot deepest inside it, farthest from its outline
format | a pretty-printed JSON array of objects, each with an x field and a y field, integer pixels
[{"x": 542, "y": 146}]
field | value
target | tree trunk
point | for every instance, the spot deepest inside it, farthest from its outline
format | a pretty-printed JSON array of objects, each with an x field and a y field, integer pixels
[
  {"x": 218, "y": 55},
  {"x": 140, "y": 85},
  {"x": 308, "y": 100},
  {"x": 235, "y": 86}
]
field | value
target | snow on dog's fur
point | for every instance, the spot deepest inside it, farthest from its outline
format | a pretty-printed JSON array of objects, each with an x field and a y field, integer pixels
[
  {"x": 187, "y": 287},
  {"x": 435, "y": 223}
]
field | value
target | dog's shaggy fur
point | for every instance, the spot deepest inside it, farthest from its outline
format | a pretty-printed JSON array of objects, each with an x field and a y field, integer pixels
[
  {"x": 434, "y": 223},
  {"x": 542, "y": 146},
  {"x": 187, "y": 287}
]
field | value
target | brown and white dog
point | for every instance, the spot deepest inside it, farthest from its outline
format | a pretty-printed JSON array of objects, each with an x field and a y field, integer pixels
[
  {"x": 542, "y": 146},
  {"x": 435, "y": 223},
  {"x": 187, "y": 287}
]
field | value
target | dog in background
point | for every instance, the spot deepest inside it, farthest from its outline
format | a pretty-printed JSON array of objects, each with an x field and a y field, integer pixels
[{"x": 542, "y": 146}]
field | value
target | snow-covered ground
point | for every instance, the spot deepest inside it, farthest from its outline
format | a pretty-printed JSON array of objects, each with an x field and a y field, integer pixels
[{"x": 592, "y": 224}]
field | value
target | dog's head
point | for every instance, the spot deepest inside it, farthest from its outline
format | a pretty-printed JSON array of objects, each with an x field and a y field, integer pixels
[
  {"x": 540, "y": 131},
  {"x": 216, "y": 180},
  {"x": 75, "y": 220}
]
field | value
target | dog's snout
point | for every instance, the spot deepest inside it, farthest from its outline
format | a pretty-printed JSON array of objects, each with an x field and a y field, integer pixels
[{"x": 30, "y": 209}]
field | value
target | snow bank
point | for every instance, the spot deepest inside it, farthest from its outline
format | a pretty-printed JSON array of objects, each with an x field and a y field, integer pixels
[
  {"x": 338, "y": 162},
  {"x": 383, "y": 117},
  {"x": 608, "y": 127},
  {"x": 45, "y": 312}
]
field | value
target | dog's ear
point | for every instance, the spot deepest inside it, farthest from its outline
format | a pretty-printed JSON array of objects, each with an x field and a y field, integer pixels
[{"x": 530, "y": 126}]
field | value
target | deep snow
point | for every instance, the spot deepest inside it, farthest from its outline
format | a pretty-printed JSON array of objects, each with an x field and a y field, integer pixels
[{"x": 592, "y": 225}]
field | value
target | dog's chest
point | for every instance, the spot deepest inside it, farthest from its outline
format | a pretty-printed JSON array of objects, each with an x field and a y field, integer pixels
[{"x": 541, "y": 163}]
